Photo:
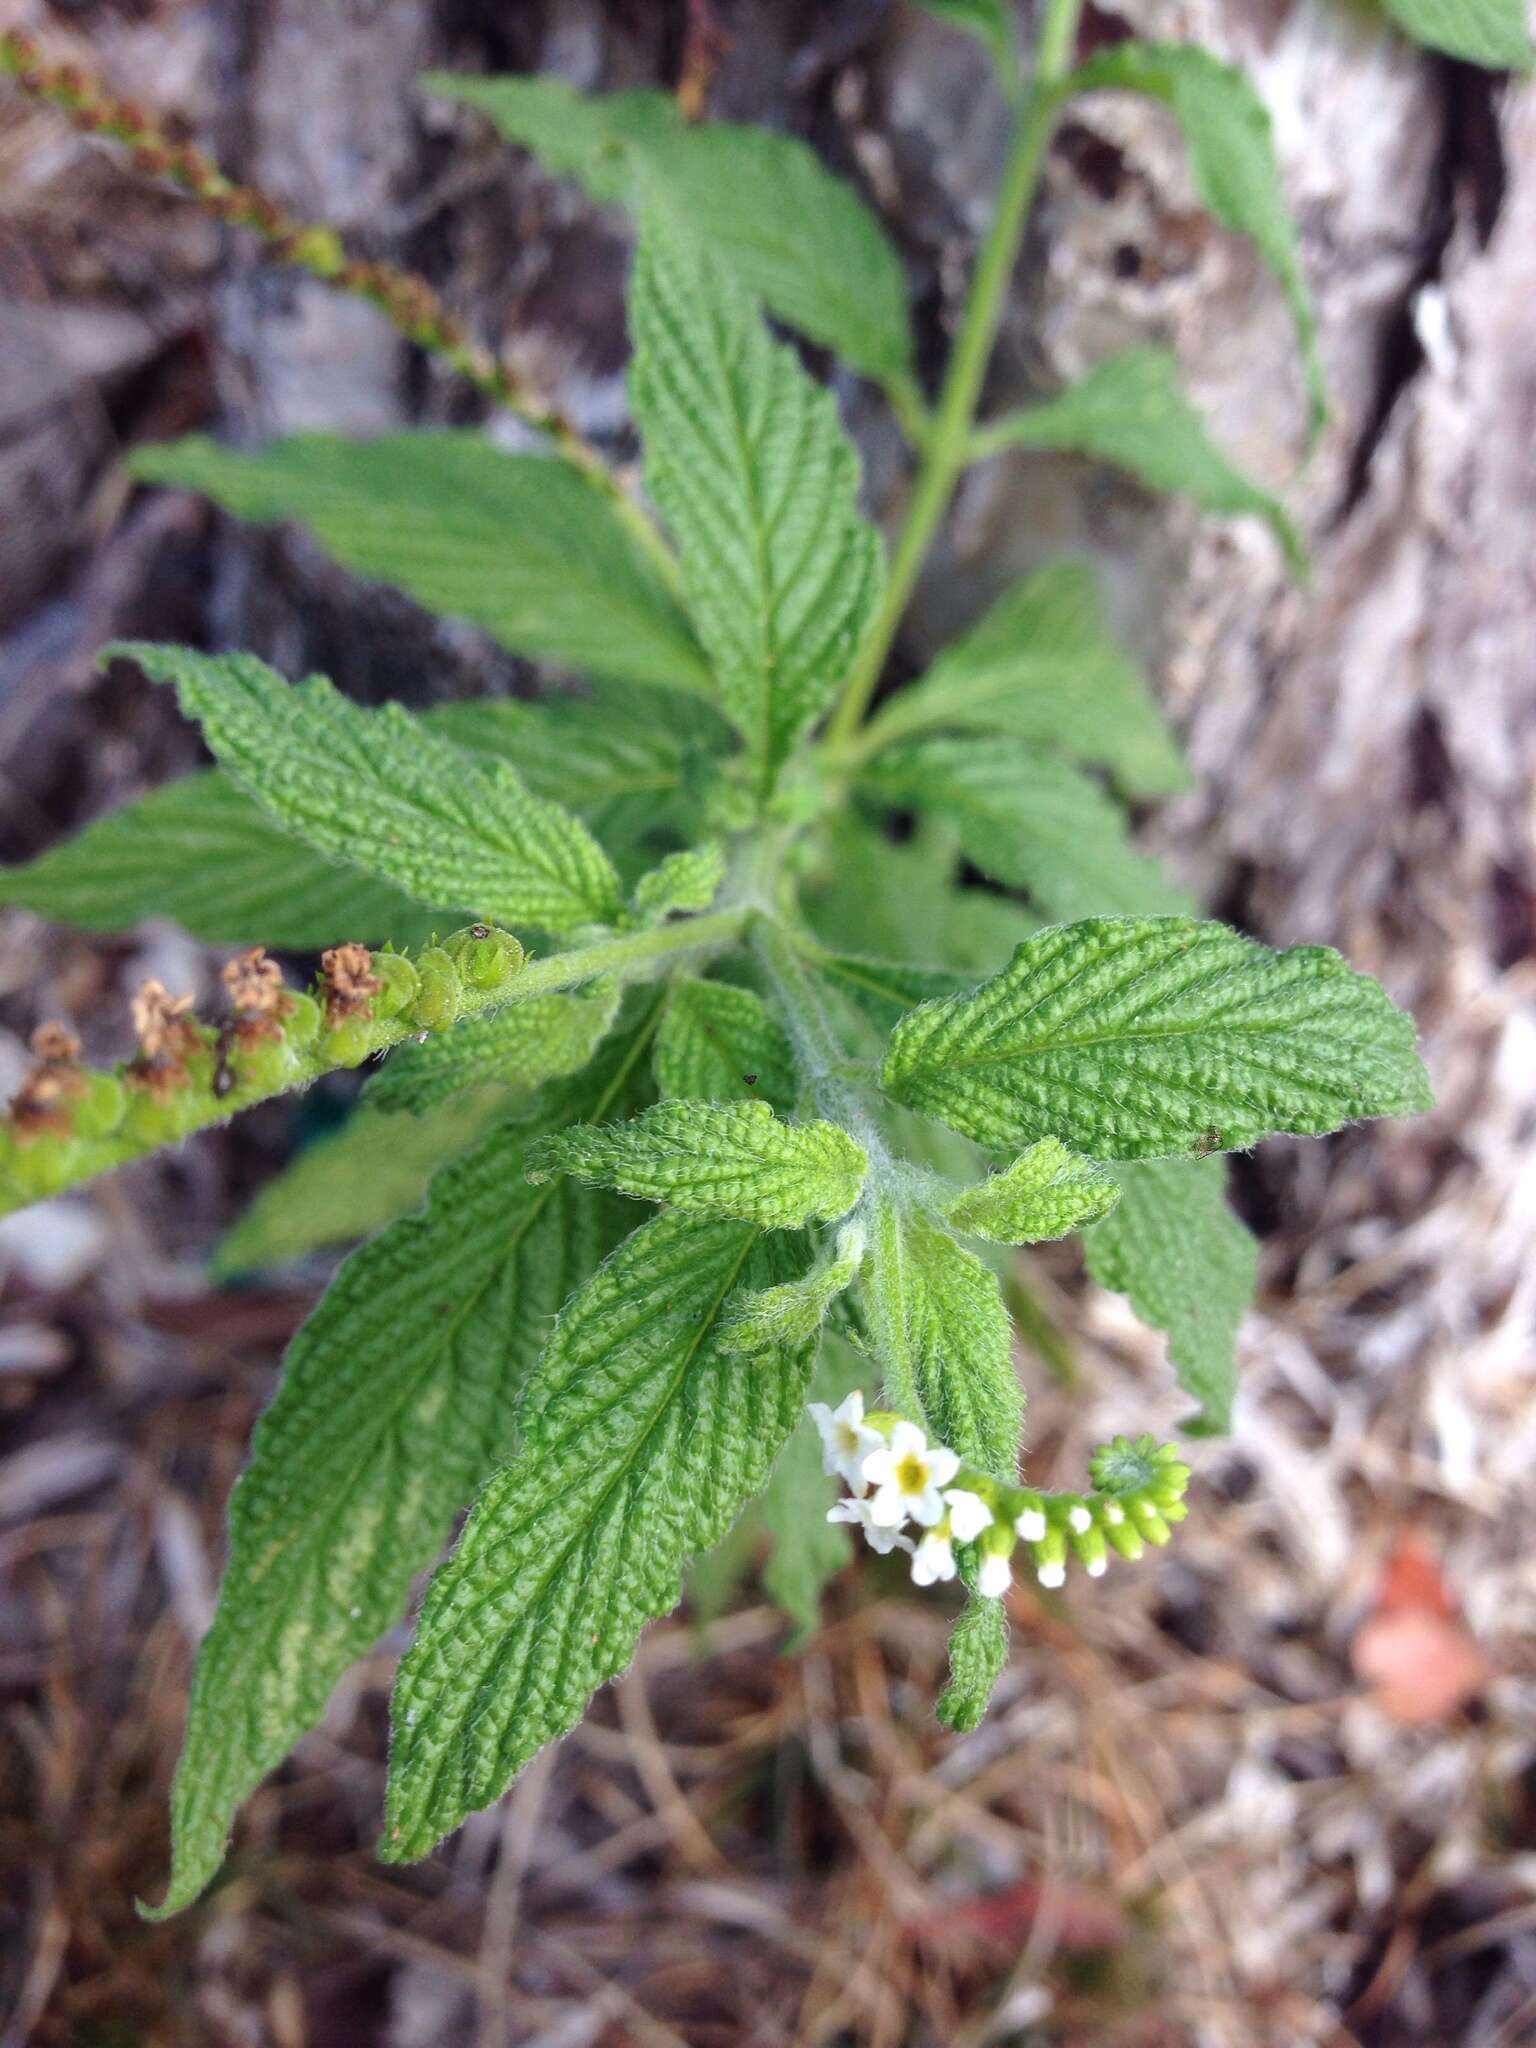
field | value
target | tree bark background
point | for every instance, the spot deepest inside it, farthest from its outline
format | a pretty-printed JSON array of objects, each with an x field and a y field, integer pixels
[{"x": 1365, "y": 745}]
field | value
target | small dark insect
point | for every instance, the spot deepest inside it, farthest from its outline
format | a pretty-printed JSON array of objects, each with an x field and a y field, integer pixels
[
  {"x": 223, "y": 1075},
  {"x": 480, "y": 931},
  {"x": 750, "y": 1080},
  {"x": 1210, "y": 1142}
]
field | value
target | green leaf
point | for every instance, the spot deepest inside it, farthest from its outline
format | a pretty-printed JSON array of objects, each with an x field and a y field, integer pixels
[
  {"x": 398, "y": 1397},
  {"x": 382, "y": 790},
  {"x": 351, "y": 1182},
  {"x": 991, "y": 22},
  {"x": 1232, "y": 155},
  {"x": 943, "y": 1339},
  {"x": 791, "y": 1313},
  {"x": 1187, "y": 1266},
  {"x": 871, "y": 896},
  {"x": 717, "y": 1043},
  {"x": 1045, "y": 1193},
  {"x": 1148, "y": 1037},
  {"x": 202, "y": 852},
  {"x": 518, "y": 1047},
  {"x": 1130, "y": 411},
  {"x": 718, "y": 1159},
  {"x": 799, "y": 238},
  {"x": 1494, "y": 33},
  {"x": 1030, "y": 820},
  {"x": 748, "y": 463},
  {"x": 885, "y": 990},
  {"x": 978, "y": 1656},
  {"x": 1042, "y": 666},
  {"x": 523, "y": 545},
  {"x": 689, "y": 880},
  {"x": 641, "y": 1440}
]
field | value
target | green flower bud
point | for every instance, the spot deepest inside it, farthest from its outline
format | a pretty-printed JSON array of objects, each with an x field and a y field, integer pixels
[
  {"x": 346, "y": 1044},
  {"x": 485, "y": 956},
  {"x": 41, "y": 1166},
  {"x": 1125, "y": 1538},
  {"x": 263, "y": 1067},
  {"x": 102, "y": 1108},
  {"x": 437, "y": 1000},
  {"x": 401, "y": 984},
  {"x": 302, "y": 1023}
]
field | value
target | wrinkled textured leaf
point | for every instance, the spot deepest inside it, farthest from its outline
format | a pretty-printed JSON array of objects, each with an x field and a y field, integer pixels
[
  {"x": 791, "y": 1313},
  {"x": 1030, "y": 820},
  {"x": 748, "y": 463},
  {"x": 1494, "y": 33},
  {"x": 352, "y": 1181},
  {"x": 718, "y": 1159},
  {"x": 1232, "y": 155},
  {"x": 1137, "y": 1038},
  {"x": 518, "y": 1047},
  {"x": 943, "y": 1339},
  {"x": 717, "y": 1043},
  {"x": 382, "y": 790},
  {"x": 1131, "y": 411},
  {"x": 689, "y": 880},
  {"x": 523, "y": 545},
  {"x": 797, "y": 236},
  {"x": 641, "y": 1441},
  {"x": 978, "y": 1655},
  {"x": 1045, "y": 1193},
  {"x": 1042, "y": 666},
  {"x": 398, "y": 1397},
  {"x": 1187, "y": 1266},
  {"x": 201, "y": 851}
]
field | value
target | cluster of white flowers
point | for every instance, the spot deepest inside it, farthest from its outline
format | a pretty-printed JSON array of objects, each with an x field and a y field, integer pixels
[{"x": 901, "y": 1480}]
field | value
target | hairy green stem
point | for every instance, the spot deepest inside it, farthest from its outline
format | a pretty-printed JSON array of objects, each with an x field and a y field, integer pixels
[
  {"x": 818, "y": 1052},
  {"x": 34, "y": 1165},
  {"x": 948, "y": 443}
]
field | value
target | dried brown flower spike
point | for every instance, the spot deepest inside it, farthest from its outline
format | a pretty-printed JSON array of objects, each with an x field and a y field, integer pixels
[{"x": 350, "y": 982}]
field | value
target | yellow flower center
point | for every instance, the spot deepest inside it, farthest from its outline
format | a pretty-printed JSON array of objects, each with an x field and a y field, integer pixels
[{"x": 912, "y": 1474}]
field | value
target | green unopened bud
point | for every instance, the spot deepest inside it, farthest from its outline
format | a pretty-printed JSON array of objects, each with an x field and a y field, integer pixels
[
  {"x": 485, "y": 956},
  {"x": 437, "y": 1000},
  {"x": 346, "y": 1044},
  {"x": 41, "y": 1166},
  {"x": 1092, "y": 1549},
  {"x": 151, "y": 1119},
  {"x": 400, "y": 984},
  {"x": 264, "y": 1066},
  {"x": 1125, "y": 1538},
  {"x": 102, "y": 1107},
  {"x": 302, "y": 1019}
]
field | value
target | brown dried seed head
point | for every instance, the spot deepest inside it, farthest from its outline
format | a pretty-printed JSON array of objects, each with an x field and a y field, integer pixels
[
  {"x": 255, "y": 984},
  {"x": 351, "y": 983},
  {"x": 161, "y": 1022},
  {"x": 56, "y": 1044}
]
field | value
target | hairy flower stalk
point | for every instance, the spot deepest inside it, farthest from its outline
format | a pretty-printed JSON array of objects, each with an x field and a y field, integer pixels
[{"x": 901, "y": 1482}]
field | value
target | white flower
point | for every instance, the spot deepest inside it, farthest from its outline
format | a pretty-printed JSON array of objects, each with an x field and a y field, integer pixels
[
  {"x": 1052, "y": 1575},
  {"x": 846, "y": 1439},
  {"x": 995, "y": 1576},
  {"x": 932, "y": 1560},
  {"x": 1031, "y": 1526},
  {"x": 968, "y": 1514},
  {"x": 907, "y": 1476},
  {"x": 879, "y": 1539},
  {"x": 1079, "y": 1520},
  {"x": 1113, "y": 1513}
]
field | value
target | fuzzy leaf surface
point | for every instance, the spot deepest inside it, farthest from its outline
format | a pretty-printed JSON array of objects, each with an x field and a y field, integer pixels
[
  {"x": 351, "y": 1182},
  {"x": 814, "y": 253},
  {"x": 718, "y": 1159},
  {"x": 1131, "y": 411},
  {"x": 978, "y": 1654},
  {"x": 641, "y": 1441},
  {"x": 385, "y": 792},
  {"x": 943, "y": 1339},
  {"x": 717, "y": 1043},
  {"x": 1046, "y": 1192},
  {"x": 398, "y": 1397},
  {"x": 1030, "y": 820},
  {"x": 201, "y": 851},
  {"x": 689, "y": 880},
  {"x": 791, "y": 1313},
  {"x": 1042, "y": 666},
  {"x": 1232, "y": 156},
  {"x": 522, "y": 545},
  {"x": 1493, "y": 33},
  {"x": 1144, "y": 1038},
  {"x": 516, "y": 1048},
  {"x": 1187, "y": 1266},
  {"x": 748, "y": 463}
]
